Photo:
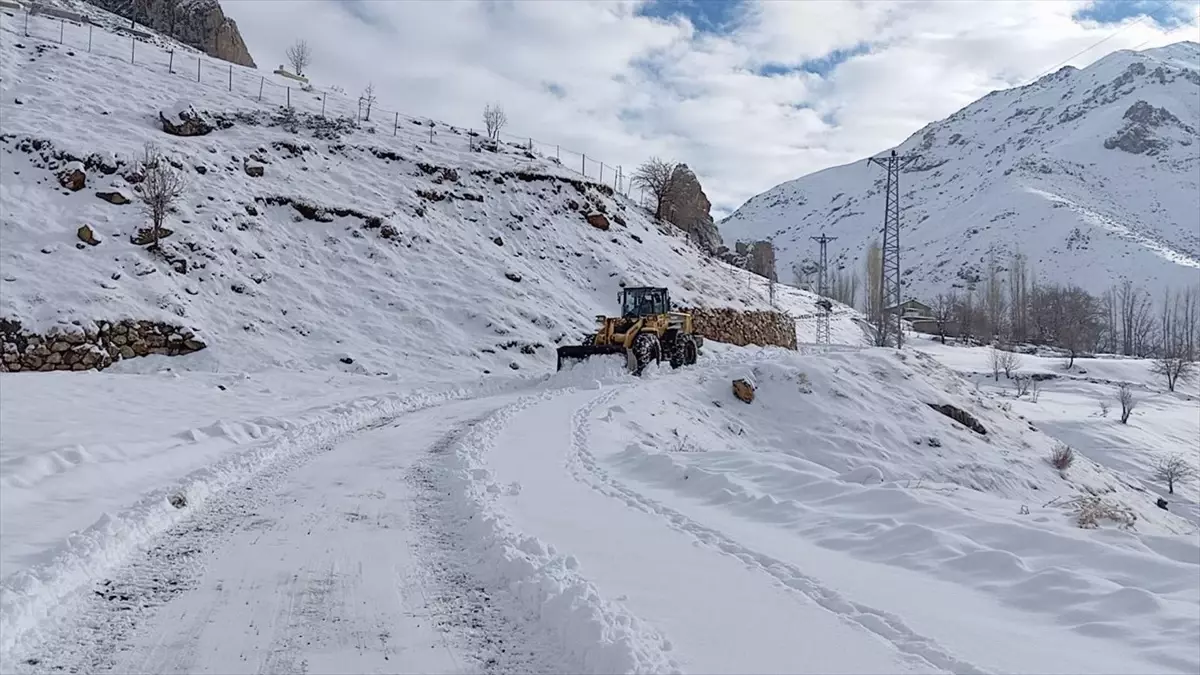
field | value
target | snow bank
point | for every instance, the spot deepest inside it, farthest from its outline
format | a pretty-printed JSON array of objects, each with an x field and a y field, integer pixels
[
  {"x": 839, "y": 458},
  {"x": 27, "y": 596},
  {"x": 543, "y": 585}
]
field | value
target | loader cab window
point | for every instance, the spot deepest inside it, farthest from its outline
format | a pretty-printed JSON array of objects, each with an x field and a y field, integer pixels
[{"x": 643, "y": 301}]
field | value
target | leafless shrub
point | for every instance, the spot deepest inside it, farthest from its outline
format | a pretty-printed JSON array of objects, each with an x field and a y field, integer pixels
[
  {"x": 161, "y": 188},
  {"x": 299, "y": 55},
  {"x": 1022, "y": 384},
  {"x": 1104, "y": 408},
  {"x": 494, "y": 120},
  {"x": 1062, "y": 457},
  {"x": 1127, "y": 400},
  {"x": 1035, "y": 390},
  {"x": 1006, "y": 361},
  {"x": 1173, "y": 469},
  {"x": 366, "y": 101}
]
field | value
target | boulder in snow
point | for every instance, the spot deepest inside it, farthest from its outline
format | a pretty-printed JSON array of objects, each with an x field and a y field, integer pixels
[
  {"x": 253, "y": 169},
  {"x": 87, "y": 235},
  {"x": 744, "y": 390},
  {"x": 73, "y": 177},
  {"x": 116, "y": 196},
  {"x": 513, "y": 276},
  {"x": 598, "y": 221},
  {"x": 183, "y": 120}
]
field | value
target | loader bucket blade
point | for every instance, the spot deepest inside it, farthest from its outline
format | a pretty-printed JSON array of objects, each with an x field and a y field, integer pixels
[{"x": 575, "y": 353}]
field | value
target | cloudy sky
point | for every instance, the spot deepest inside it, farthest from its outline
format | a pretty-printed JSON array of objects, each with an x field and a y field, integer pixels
[{"x": 749, "y": 93}]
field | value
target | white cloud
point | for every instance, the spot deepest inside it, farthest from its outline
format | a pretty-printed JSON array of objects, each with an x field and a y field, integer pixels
[{"x": 598, "y": 78}]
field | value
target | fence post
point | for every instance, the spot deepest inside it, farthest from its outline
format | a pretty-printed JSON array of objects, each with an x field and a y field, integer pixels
[
  {"x": 132, "y": 47},
  {"x": 430, "y": 131},
  {"x": 27, "y": 21},
  {"x": 289, "y": 97},
  {"x": 556, "y": 153},
  {"x": 62, "y": 24},
  {"x": 583, "y": 164},
  {"x": 171, "y": 63},
  {"x": 261, "y": 79},
  {"x": 198, "y": 62},
  {"x": 231, "y": 77},
  {"x": 89, "y": 37},
  {"x": 601, "y": 172},
  {"x": 396, "y": 124},
  {"x": 324, "y": 95}
]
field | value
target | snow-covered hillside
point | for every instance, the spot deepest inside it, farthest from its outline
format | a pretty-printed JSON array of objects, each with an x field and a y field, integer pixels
[
  {"x": 1093, "y": 174},
  {"x": 359, "y": 241}
]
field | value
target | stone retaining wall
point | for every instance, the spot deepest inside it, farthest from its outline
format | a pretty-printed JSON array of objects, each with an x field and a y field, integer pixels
[
  {"x": 741, "y": 328},
  {"x": 92, "y": 348}
]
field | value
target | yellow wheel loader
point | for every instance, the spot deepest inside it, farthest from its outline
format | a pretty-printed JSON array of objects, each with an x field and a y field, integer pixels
[{"x": 646, "y": 332}]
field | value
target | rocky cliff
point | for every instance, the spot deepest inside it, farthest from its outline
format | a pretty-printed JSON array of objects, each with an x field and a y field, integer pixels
[
  {"x": 687, "y": 207},
  {"x": 199, "y": 23}
]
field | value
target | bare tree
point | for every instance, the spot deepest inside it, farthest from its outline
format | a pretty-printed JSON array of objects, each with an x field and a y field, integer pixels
[
  {"x": 1009, "y": 362},
  {"x": 1018, "y": 298},
  {"x": 494, "y": 120},
  {"x": 366, "y": 101},
  {"x": 1035, "y": 389},
  {"x": 1022, "y": 384},
  {"x": 843, "y": 287},
  {"x": 1175, "y": 368},
  {"x": 965, "y": 315},
  {"x": 1127, "y": 400},
  {"x": 659, "y": 178},
  {"x": 1176, "y": 350},
  {"x": 1173, "y": 469},
  {"x": 161, "y": 188},
  {"x": 1135, "y": 313},
  {"x": 299, "y": 55},
  {"x": 874, "y": 295},
  {"x": 943, "y": 312},
  {"x": 995, "y": 356},
  {"x": 993, "y": 297}
]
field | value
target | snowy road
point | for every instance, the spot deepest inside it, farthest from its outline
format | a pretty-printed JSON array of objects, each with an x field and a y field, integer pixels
[{"x": 333, "y": 566}]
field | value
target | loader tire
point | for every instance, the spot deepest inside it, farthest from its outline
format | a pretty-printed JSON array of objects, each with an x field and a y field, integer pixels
[
  {"x": 683, "y": 352},
  {"x": 644, "y": 351},
  {"x": 689, "y": 350}
]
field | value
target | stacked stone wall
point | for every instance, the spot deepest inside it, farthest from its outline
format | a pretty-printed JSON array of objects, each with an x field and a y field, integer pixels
[
  {"x": 90, "y": 348},
  {"x": 737, "y": 327}
]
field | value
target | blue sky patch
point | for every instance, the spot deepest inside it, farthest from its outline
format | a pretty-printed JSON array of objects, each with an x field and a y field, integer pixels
[
  {"x": 711, "y": 16},
  {"x": 821, "y": 66},
  {"x": 1165, "y": 13}
]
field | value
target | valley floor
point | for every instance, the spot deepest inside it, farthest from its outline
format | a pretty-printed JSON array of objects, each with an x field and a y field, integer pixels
[{"x": 582, "y": 522}]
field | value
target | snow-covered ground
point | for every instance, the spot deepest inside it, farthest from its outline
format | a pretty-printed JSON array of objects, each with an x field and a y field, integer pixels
[{"x": 445, "y": 502}]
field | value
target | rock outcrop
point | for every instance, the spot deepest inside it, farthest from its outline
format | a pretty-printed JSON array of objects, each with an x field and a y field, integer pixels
[
  {"x": 1138, "y": 135},
  {"x": 687, "y": 207},
  {"x": 90, "y": 348},
  {"x": 735, "y": 327},
  {"x": 198, "y": 23},
  {"x": 755, "y": 256}
]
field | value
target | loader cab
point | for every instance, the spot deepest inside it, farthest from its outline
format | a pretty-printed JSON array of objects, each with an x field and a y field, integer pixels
[{"x": 644, "y": 301}]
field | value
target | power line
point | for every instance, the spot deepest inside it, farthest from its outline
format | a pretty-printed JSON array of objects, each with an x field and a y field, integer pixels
[{"x": 1102, "y": 41}]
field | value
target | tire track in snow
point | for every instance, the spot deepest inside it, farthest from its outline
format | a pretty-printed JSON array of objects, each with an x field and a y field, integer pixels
[
  {"x": 584, "y": 466},
  {"x": 92, "y": 627}
]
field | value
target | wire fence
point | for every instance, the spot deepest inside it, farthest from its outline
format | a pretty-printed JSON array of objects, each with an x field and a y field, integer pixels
[{"x": 134, "y": 49}]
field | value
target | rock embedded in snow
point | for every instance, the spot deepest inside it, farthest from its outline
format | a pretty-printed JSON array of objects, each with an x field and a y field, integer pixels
[
  {"x": 183, "y": 120},
  {"x": 73, "y": 177},
  {"x": 598, "y": 221},
  {"x": 116, "y": 196},
  {"x": 253, "y": 169},
  {"x": 744, "y": 390},
  {"x": 87, "y": 235}
]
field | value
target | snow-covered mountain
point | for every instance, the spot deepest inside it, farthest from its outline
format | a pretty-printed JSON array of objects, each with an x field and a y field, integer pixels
[
  {"x": 361, "y": 246},
  {"x": 1093, "y": 174}
]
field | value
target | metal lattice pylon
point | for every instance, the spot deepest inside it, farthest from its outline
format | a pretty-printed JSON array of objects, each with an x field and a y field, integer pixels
[
  {"x": 888, "y": 326},
  {"x": 824, "y": 306}
]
